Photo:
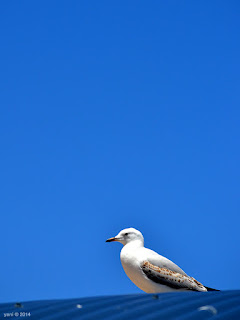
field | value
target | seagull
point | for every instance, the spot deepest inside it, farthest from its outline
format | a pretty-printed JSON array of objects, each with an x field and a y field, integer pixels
[{"x": 150, "y": 271}]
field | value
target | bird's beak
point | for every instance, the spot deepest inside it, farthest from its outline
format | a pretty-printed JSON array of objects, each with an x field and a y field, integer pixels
[{"x": 112, "y": 239}]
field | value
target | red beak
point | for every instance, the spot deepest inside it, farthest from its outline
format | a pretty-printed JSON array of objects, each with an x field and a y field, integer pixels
[{"x": 111, "y": 239}]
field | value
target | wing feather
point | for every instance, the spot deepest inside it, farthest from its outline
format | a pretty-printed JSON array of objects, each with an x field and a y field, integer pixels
[
  {"x": 171, "y": 278},
  {"x": 161, "y": 262}
]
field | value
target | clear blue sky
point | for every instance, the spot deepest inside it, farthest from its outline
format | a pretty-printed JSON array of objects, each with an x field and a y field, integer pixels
[{"x": 113, "y": 115}]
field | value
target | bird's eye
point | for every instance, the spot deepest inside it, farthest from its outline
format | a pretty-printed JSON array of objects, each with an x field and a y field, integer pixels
[{"x": 126, "y": 234}]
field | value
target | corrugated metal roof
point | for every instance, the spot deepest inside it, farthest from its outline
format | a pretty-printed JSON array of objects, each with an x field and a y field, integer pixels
[{"x": 182, "y": 306}]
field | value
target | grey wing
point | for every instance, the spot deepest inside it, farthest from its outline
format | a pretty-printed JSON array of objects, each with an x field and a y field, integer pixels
[
  {"x": 162, "y": 262},
  {"x": 170, "y": 278}
]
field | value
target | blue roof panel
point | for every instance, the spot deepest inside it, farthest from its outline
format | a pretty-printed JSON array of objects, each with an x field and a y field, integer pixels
[{"x": 182, "y": 306}]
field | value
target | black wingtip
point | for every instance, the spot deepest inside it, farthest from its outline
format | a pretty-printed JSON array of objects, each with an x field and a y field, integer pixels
[{"x": 211, "y": 289}]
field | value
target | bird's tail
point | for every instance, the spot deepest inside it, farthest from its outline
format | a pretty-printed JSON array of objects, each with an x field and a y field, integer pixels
[{"x": 211, "y": 289}]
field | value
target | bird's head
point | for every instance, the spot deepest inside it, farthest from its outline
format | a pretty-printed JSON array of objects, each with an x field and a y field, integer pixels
[{"x": 127, "y": 235}]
